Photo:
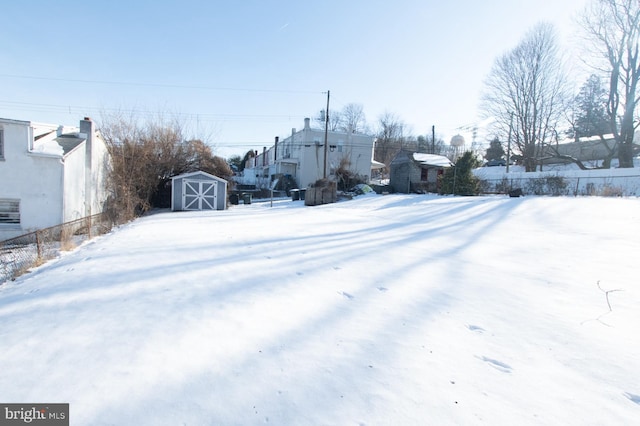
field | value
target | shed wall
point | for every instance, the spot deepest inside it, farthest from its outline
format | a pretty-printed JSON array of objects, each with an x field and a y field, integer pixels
[{"x": 177, "y": 190}]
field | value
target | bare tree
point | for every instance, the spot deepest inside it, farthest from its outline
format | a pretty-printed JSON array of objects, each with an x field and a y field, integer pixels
[
  {"x": 525, "y": 91},
  {"x": 613, "y": 27},
  {"x": 353, "y": 119},
  {"x": 145, "y": 155},
  {"x": 389, "y": 137},
  {"x": 428, "y": 145},
  {"x": 349, "y": 119},
  {"x": 335, "y": 120}
]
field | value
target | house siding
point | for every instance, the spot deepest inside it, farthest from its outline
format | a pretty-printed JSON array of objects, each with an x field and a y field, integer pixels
[
  {"x": 33, "y": 179},
  {"x": 74, "y": 186},
  {"x": 49, "y": 184},
  {"x": 408, "y": 175},
  {"x": 301, "y": 155},
  {"x": 403, "y": 171}
]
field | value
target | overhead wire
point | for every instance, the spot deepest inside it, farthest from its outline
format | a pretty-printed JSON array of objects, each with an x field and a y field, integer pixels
[
  {"x": 200, "y": 117},
  {"x": 173, "y": 86}
]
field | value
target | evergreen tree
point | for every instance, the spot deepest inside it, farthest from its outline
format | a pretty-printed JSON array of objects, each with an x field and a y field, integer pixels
[
  {"x": 591, "y": 117},
  {"x": 459, "y": 179},
  {"x": 495, "y": 150},
  {"x": 235, "y": 161}
]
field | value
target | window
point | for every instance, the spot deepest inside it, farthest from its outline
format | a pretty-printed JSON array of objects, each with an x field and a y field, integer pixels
[
  {"x": 424, "y": 175},
  {"x": 9, "y": 211},
  {"x": 1, "y": 144}
]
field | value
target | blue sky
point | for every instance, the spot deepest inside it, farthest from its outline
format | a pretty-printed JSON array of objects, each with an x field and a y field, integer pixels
[{"x": 240, "y": 73}]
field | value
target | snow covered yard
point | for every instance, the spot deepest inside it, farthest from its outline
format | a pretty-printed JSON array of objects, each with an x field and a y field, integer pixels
[{"x": 383, "y": 310}]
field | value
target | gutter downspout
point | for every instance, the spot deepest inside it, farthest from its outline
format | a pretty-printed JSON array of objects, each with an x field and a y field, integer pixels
[{"x": 86, "y": 127}]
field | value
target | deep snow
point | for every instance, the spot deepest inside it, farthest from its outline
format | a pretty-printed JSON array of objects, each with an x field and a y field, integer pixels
[{"x": 398, "y": 309}]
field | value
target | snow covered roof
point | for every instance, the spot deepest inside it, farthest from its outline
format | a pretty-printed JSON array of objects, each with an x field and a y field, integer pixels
[
  {"x": 376, "y": 165},
  {"x": 431, "y": 160}
]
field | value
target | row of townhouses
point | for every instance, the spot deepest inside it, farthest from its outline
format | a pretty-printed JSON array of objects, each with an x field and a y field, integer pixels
[{"x": 300, "y": 158}]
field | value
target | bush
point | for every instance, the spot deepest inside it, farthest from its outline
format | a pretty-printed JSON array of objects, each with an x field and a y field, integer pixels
[
  {"x": 144, "y": 158},
  {"x": 345, "y": 177},
  {"x": 554, "y": 185},
  {"x": 459, "y": 179},
  {"x": 612, "y": 191}
]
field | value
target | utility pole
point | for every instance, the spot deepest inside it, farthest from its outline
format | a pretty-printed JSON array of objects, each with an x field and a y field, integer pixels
[
  {"x": 433, "y": 139},
  {"x": 509, "y": 143},
  {"x": 326, "y": 136}
]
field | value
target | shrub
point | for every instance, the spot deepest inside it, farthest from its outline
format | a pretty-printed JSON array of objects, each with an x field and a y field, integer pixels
[
  {"x": 345, "y": 177},
  {"x": 459, "y": 179},
  {"x": 547, "y": 185}
]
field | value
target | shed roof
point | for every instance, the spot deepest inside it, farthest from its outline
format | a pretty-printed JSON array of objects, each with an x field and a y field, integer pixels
[
  {"x": 199, "y": 173},
  {"x": 431, "y": 160}
]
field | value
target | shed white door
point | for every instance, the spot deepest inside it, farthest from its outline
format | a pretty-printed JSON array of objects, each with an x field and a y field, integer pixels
[{"x": 199, "y": 195}]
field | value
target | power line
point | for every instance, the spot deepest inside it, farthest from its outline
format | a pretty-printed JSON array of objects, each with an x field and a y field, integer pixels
[
  {"x": 172, "y": 86},
  {"x": 27, "y": 106}
]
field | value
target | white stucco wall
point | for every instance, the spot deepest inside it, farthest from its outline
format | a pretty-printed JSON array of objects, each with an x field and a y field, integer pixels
[
  {"x": 50, "y": 187},
  {"x": 307, "y": 148},
  {"x": 99, "y": 170},
  {"x": 33, "y": 178},
  {"x": 74, "y": 185},
  {"x": 356, "y": 148}
]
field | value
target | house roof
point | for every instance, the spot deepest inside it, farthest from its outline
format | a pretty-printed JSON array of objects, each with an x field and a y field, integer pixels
[
  {"x": 376, "y": 165},
  {"x": 69, "y": 142}
]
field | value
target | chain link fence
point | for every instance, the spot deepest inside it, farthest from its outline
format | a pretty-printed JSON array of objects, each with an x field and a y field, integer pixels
[
  {"x": 19, "y": 254},
  {"x": 609, "y": 186}
]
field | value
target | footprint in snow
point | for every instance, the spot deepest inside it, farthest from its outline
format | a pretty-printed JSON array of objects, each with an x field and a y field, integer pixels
[
  {"x": 632, "y": 397},
  {"x": 501, "y": 366},
  {"x": 382, "y": 289},
  {"x": 475, "y": 328},
  {"x": 346, "y": 295}
]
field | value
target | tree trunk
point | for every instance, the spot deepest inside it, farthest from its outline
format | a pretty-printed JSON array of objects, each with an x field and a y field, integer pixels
[
  {"x": 625, "y": 155},
  {"x": 627, "y": 130}
]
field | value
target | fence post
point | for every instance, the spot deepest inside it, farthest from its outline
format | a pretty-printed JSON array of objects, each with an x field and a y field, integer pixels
[
  {"x": 577, "y": 186},
  {"x": 89, "y": 225},
  {"x": 39, "y": 245}
]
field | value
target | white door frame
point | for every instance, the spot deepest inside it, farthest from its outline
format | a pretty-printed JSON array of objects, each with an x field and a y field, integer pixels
[{"x": 199, "y": 194}]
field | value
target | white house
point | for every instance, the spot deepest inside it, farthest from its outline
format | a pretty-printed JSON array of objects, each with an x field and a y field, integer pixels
[
  {"x": 50, "y": 174},
  {"x": 301, "y": 157}
]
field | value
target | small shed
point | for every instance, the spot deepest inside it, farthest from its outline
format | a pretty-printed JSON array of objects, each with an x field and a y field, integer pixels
[
  {"x": 416, "y": 172},
  {"x": 198, "y": 191}
]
